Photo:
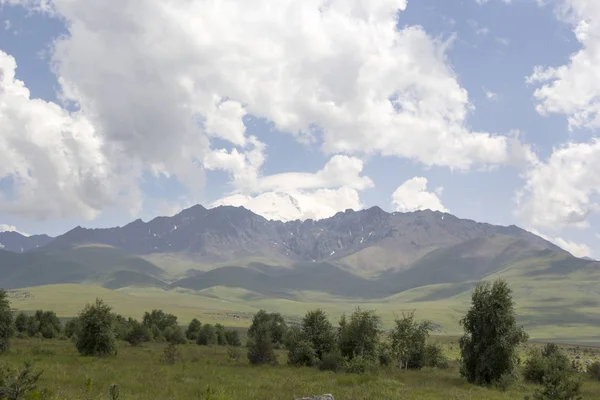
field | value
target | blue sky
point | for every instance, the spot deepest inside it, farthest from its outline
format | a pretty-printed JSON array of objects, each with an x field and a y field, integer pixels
[{"x": 141, "y": 111}]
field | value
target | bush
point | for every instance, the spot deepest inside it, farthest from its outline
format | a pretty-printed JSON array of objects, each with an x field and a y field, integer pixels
[
  {"x": 233, "y": 338},
  {"x": 488, "y": 354},
  {"x": 260, "y": 346},
  {"x": 170, "y": 354},
  {"x": 6, "y": 322},
  {"x": 233, "y": 355},
  {"x": 73, "y": 327},
  {"x": 97, "y": 336},
  {"x": 302, "y": 354},
  {"x": 138, "y": 333},
  {"x": 193, "y": 330},
  {"x": 593, "y": 370},
  {"x": 174, "y": 335},
  {"x": 21, "y": 322},
  {"x": 535, "y": 367},
  {"x": 332, "y": 361},
  {"x": 220, "y": 333},
  {"x": 159, "y": 319},
  {"x": 359, "y": 365},
  {"x": 560, "y": 381},
  {"x": 384, "y": 354},
  {"x": 16, "y": 385},
  {"x": 207, "y": 335},
  {"x": 434, "y": 357}
]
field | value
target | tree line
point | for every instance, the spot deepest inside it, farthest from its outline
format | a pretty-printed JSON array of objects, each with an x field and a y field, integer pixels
[{"x": 488, "y": 348}]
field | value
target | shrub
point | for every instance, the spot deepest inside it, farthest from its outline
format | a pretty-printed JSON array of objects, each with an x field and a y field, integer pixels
[
  {"x": 260, "y": 346},
  {"x": 207, "y": 336},
  {"x": 174, "y": 335},
  {"x": 21, "y": 322},
  {"x": 193, "y": 330},
  {"x": 302, "y": 354},
  {"x": 16, "y": 385},
  {"x": 233, "y": 355},
  {"x": 489, "y": 345},
  {"x": 138, "y": 333},
  {"x": 384, "y": 354},
  {"x": 220, "y": 334},
  {"x": 97, "y": 337},
  {"x": 359, "y": 365},
  {"x": 535, "y": 367},
  {"x": 593, "y": 370},
  {"x": 170, "y": 354},
  {"x": 47, "y": 323},
  {"x": 73, "y": 327},
  {"x": 6, "y": 322},
  {"x": 159, "y": 319},
  {"x": 560, "y": 381},
  {"x": 332, "y": 361},
  {"x": 434, "y": 357},
  {"x": 233, "y": 338}
]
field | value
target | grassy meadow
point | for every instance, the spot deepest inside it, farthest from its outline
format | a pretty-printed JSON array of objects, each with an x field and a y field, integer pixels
[{"x": 203, "y": 372}]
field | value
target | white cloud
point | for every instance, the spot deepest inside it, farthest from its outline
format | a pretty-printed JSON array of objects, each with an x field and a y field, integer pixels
[
  {"x": 564, "y": 190},
  {"x": 576, "y": 249},
  {"x": 503, "y": 41},
  {"x": 412, "y": 195},
  {"x": 7, "y": 25},
  {"x": 153, "y": 82},
  {"x": 11, "y": 228},
  {"x": 301, "y": 195},
  {"x": 573, "y": 89},
  {"x": 490, "y": 95},
  {"x": 56, "y": 160}
]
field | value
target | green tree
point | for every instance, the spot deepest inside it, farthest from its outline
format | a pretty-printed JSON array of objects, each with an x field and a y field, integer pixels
[
  {"x": 175, "y": 335},
  {"x": 274, "y": 322},
  {"x": 220, "y": 333},
  {"x": 137, "y": 333},
  {"x": 6, "y": 322},
  {"x": 318, "y": 331},
  {"x": 489, "y": 345},
  {"x": 72, "y": 327},
  {"x": 160, "y": 319},
  {"x": 303, "y": 354},
  {"x": 96, "y": 336},
  {"x": 360, "y": 335},
  {"x": 207, "y": 335},
  {"x": 233, "y": 338},
  {"x": 560, "y": 380},
  {"x": 409, "y": 340},
  {"x": 21, "y": 322},
  {"x": 48, "y": 323},
  {"x": 260, "y": 345},
  {"x": 193, "y": 330}
]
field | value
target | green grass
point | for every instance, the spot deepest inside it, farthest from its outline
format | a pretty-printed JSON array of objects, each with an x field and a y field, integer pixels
[{"x": 140, "y": 375}]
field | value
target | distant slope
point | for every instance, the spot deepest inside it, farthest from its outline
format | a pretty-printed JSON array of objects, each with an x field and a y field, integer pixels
[
  {"x": 365, "y": 242},
  {"x": 17, "y": 243},
  {"x": 77, "y": 265}
]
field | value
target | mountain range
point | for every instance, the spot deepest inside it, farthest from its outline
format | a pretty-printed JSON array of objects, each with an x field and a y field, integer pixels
[{"x": 367, "y": 253}]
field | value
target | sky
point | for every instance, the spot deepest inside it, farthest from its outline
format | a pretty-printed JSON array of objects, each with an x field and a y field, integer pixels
[{"x": 486, "y": 109}]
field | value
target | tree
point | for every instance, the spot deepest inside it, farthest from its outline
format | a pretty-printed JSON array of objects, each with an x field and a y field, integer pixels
[
  {"x": 233, "y": 338},
  {"x": 409, "y": 340},
  {"x": 274, "y": 322},
  {"x": 207, "y": 335},
  {"x": 360, "y": 335},
  {"x": 560, "y": 380},
  {"x": 489, "y": 345},
  {"x": 220, "y": 333},
  {"x": 21, "y": 322},
  {"x": 193, "y": 330},
  {"x": 260, "y": 345},
  {"x": 6, "y": 322},
  {"x": 96, "y": 336},
  {"x": 318, "y": 331},
  {"x": 175, "y": 335},
  {"x": 48, "y": 323},
  {"x": 160, "y": 319},
  {"x": 73, "y": 327}
]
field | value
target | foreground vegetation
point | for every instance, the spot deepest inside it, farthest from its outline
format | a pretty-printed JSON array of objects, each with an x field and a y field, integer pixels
[{"x": 100, "y": 354}]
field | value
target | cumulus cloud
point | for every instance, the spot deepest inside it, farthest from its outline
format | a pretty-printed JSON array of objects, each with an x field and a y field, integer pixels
[
  {"x": 573, "y": 89},
  {"x": 296, "y": 195},
  {"x": 564, "y": 190},
  {"x": 576, "y": 249},
  {"x": 412, "y": 195},
  {"x": 56, "y": 161},
  {"x": 154, "y": 82}
]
